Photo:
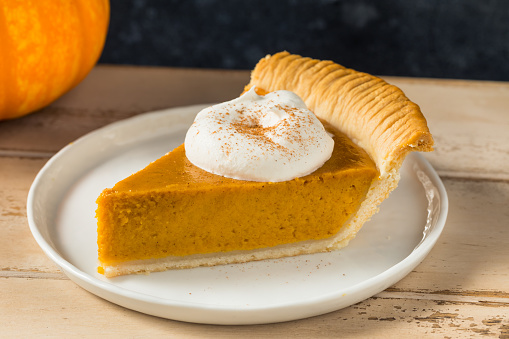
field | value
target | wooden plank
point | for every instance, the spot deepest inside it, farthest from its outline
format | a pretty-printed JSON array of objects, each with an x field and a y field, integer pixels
[
  {"x": 459, "y": 289},
  {"x": 19, "y": 253},
  {"x": 467, "y": 118},
  {"x": 61, "y": 309},
  {"x": 112, "y": 93},
  {"x": 472, "y": 255},
  {"x": 469, "y": 121}
]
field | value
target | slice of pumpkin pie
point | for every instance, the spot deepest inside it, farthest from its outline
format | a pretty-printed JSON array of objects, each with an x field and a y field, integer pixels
[{"x": 261, "y": 177}]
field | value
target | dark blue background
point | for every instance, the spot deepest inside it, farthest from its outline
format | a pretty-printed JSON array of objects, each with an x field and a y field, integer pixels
[{"x": 466, "y": 39}]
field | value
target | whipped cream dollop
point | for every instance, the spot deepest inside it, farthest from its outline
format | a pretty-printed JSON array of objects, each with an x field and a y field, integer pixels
[{"x": 269, "y": 138}]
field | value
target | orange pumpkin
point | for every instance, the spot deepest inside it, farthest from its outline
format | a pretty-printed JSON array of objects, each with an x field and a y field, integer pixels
[{"x": 46, "y": 48}]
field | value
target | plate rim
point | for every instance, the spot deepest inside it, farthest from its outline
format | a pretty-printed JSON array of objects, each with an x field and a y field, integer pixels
[{"x": 124, "y": 297}]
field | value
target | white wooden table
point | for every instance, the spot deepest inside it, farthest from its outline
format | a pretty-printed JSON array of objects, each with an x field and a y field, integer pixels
[{"x": 460, "y": 290}]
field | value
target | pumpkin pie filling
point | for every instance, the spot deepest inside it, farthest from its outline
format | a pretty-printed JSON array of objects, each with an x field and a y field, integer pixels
[{"x": 173, "y": 208}]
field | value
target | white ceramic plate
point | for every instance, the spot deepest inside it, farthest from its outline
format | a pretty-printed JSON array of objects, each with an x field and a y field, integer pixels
[{"x": 61, "y": 214}]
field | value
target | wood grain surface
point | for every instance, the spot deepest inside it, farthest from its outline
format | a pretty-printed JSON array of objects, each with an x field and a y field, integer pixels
[{"x": 460, "y": 290}]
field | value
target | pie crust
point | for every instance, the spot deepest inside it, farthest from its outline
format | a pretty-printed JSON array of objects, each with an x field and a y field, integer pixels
[
  {"x": 377, "y": 116},
  {"x": 374, "y": 114}
]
